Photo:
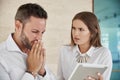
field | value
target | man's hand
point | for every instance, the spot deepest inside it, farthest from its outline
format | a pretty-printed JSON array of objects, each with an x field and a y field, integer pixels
[
  {"x": 42, "y": 71},
  {"x": 35, "y": 59}
]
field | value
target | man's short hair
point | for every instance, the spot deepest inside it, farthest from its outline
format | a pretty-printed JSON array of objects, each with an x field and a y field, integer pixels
[{"x": 25, "y": 11}]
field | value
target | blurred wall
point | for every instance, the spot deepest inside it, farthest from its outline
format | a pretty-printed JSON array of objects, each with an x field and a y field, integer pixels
[{"x": 60, "y": 14}]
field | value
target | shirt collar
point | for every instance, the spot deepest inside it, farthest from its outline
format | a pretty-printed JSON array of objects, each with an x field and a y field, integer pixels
[
  {"x": 11, "y": 45},
  {"x": 89, "y": 52}
]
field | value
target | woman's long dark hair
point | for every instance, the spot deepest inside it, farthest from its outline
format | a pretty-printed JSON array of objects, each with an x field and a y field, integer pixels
[{"x": 90, "y": 20}]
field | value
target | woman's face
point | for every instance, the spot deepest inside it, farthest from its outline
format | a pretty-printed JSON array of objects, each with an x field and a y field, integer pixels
[{"x": 80, "y": 33}]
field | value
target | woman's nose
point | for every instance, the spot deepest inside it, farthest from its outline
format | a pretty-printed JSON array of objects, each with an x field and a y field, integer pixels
[{"x": 76, "y": 32}]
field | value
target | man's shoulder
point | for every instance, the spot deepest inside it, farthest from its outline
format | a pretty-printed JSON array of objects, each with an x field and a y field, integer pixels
[
  {"x": 2, "y": 46},
  {"x": 2, "y": 50}
]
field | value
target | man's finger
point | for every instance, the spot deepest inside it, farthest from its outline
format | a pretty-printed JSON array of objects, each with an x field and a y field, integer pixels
[
  {"x": 39, "y": 50},
  {"x": 33, "y": 47}
]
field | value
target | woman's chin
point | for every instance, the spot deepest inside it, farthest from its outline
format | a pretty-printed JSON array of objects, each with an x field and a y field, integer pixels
[{"x": 76, "y": 43}]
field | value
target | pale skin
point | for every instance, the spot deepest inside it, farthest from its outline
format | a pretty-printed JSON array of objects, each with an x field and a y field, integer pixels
[
  {"x": 81, "y": 37},
  {"x": 29, "y": 40}
]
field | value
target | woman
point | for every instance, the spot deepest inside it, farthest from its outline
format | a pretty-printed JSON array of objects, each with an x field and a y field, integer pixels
[{"x": 85, "y": 47}]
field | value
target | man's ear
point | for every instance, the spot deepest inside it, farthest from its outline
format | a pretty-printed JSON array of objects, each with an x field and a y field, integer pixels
[{"x": 18, "y": 25}]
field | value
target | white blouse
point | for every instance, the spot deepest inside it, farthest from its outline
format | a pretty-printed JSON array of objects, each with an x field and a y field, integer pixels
[{"x": 97, "y": 55}]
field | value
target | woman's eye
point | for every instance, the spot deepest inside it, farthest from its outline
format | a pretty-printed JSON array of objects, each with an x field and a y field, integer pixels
[
  {"x": 73, "y": 28},
  {"x": 81, "y": 29}
]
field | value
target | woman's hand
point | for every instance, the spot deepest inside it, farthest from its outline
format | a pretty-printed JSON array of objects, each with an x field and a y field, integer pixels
[{"x": 93, "y": 78}]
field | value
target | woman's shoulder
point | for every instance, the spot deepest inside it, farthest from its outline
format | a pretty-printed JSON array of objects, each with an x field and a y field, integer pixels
[
  {"x": 102, "y": 49},
  {"x": 66, "y": 50},
  {"x": 67, "y": 47}
]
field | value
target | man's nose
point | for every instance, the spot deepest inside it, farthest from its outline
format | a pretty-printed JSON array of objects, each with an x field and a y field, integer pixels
[{"x": 39, "y": 37}]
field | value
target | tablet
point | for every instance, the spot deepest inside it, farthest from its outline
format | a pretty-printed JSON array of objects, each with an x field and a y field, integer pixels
[{"x": 83, "y": 70}]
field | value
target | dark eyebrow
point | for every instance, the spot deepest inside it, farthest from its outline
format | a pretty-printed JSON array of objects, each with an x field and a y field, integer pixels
[{"x": 73, "y": 27}]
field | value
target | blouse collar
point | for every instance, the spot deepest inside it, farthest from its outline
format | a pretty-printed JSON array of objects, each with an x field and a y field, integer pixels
[{"x": 89, "y": 52}]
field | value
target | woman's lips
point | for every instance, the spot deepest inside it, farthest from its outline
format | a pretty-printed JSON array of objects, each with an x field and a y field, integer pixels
[{"x": 76, "y": 39}]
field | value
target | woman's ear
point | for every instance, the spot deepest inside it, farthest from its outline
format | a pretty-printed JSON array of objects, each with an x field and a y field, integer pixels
[{"x": 91, "y": 36}]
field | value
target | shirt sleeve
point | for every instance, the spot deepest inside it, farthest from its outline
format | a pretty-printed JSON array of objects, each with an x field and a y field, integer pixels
[
  {"x": 3, "y": 74},
  {"x": 49, "y": 75},
  {"x": 59, "y": 71},
  {"x": 107, "y": 60},
  {"x": 28, "y": 76}
]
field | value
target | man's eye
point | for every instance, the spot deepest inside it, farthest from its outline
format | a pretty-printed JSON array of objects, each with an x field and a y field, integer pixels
[
  {"x": 43, "y": 32},
  {"x": 35, "y": 31}
]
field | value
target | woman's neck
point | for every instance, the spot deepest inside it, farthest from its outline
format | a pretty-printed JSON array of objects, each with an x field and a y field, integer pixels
[{"x": 84, "y": 48}]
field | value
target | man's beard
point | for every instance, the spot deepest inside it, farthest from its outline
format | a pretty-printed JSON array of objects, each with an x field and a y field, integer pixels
[{"x": 25, "y": 41}]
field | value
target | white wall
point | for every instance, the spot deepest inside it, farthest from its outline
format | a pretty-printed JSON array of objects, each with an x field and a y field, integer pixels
[{"x": 60, "y": 14}]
